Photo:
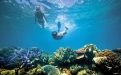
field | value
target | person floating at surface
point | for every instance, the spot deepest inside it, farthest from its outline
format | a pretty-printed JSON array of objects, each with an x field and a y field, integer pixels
[
  {"x": 40, "y": 16},
  {"x": 59, "y": 35}
]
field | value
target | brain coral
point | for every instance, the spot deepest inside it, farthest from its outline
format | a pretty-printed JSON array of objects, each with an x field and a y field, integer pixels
[
  {"x": 65, "y": 55},
  {"x": 50, "y": 70}
]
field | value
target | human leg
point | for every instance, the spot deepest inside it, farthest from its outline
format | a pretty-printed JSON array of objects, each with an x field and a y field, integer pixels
[{"x": 41, "y": 22}]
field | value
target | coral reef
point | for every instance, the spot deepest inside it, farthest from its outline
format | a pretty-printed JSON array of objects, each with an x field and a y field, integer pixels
[
  {"x": 22, "y": 71},
  {"x": 91, "y": 48},
  {"x": 19, "y": 57},
  {"x": 117, "y": 51},
  {"x": 107, "y": 53},
  {"x": 86, "y": 54},
  {"x": 7, "y": 72},
  {"x": 91, "y": 51},
  {"x": 75, "y": 68},
  {"x": 99, "y": 60},
  {"x": 7, "y": 51},
  {"x": 65, "y": 55},
  {"x": 107, "y": 62},
  {"x": 88, "y": 72},
  {"x": 65, "y": 61},
  {"x": 51, "y": 63},
  {"x": 50, "y": 70},
  {"x": 46, "y": 59},
  {"x": 80, "y": 53},
  {"x": 82, "y": 72},
  {"x": 66, "y": 71},
  {"x": 34, "y": 71}
]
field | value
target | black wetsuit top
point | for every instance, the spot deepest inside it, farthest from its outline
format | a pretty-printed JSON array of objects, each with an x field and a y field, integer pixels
[{"x": 39, "y": 14}]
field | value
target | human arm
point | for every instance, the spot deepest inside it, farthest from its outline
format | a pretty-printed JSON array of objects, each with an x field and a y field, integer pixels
[{"x": 45, "y": 18}]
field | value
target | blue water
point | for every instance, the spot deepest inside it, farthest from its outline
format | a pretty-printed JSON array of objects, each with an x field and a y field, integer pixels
[{"x": 89, "y": 21}]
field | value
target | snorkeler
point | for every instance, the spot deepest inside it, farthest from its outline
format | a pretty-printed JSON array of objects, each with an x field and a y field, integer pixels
[
  {"x": 40, "y": 16},
  {"x": 59, "y": 35}
]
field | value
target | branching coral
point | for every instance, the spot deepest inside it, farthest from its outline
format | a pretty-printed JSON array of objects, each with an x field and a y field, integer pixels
[
  {"x": 7, "y": 51},
  {"x": 65, "y": 55},
  {"x": 5, "y": 57},
  {"x": 19, "y": 55}
]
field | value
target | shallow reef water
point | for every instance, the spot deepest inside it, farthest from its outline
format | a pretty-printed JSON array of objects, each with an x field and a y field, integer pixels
[{"x": 90, "y": 46}]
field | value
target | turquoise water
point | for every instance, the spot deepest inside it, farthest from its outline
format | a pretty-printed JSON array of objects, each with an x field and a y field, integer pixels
[{"x": 89, "y": 21}]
